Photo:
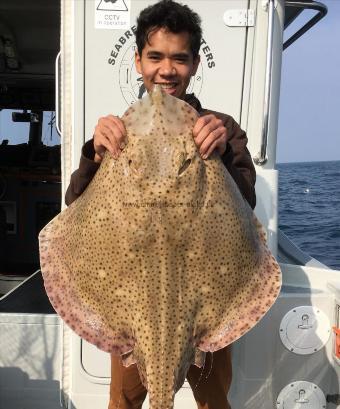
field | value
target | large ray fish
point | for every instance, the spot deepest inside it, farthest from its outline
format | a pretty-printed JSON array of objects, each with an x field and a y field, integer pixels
[{"x": 160, "y": 259}]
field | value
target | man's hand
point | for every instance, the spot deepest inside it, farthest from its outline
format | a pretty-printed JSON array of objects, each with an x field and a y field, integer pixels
[
  {"x": 209, "y": 134},
  {"x": 109, "y": 134}
]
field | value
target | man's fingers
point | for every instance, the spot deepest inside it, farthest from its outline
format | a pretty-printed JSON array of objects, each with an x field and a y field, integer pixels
[
  {"x": 110, "y": 134},
  {"x": 117, "y": 129},
  {"x": 219, "y": 144},
  {"x": 103, "y": 143},
  {"x": 201, "y": 122},
  {"x": 113, "y": 133},
  {"x": 209, "y": 125},
  {"x": 208, "y": 140},
  {"x": 219, "y": 136},
  {"x": 118, "y": 122}
]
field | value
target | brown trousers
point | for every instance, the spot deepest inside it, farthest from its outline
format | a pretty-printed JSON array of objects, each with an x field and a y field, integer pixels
[{"x": 210, "y": 386}]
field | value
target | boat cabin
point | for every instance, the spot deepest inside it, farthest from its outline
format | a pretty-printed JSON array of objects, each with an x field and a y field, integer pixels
[{"x": 64, "y": 64}]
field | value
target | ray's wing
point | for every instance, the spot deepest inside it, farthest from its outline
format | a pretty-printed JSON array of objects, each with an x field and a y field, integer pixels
[
  {"x": 84, "y": 278},
  {"x": 242, "y": 279}
]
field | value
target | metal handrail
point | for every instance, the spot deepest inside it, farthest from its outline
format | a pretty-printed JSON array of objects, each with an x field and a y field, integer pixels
[
  {"x": 261, "y": 157},
  {"x": 311, "y": 5},
  {"x": 57, "y": 61}
]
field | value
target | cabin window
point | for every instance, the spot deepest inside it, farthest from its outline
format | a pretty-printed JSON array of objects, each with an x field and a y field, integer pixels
[{"x": 30, "y": 189}]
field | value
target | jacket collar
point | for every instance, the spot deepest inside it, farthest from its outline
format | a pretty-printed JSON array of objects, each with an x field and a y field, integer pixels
[{"x": 193, "y": 101}]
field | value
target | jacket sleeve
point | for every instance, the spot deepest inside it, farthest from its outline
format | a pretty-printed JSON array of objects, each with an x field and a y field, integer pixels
[
  {"x": 83, "y": 175},
  {"x": 238, "y": 161},
  {"x": 237, "y": 158}
]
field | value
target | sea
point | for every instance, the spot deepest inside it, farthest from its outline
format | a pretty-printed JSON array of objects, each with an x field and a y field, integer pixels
[{"x": 309, "y": 208}]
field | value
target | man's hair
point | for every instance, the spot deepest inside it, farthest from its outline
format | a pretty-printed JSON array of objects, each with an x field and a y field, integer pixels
[{"x": 173, "y": 16}]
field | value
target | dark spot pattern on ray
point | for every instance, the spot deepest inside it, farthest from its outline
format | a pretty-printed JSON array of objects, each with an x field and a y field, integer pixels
[{"x": 160, "y": 260}]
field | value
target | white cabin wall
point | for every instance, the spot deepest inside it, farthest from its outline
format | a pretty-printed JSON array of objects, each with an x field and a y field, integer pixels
[
  {"x": 78, "y": 82},
  {"x": 253, "y": 112},
  {"x": 72, "y": 87},
  {"x": 111, "y": 87},
  {"x": 253, "y": 106}
]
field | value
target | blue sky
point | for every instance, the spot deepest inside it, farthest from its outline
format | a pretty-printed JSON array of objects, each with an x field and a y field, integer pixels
[
  {"x": 17, "y": 132},
  {"x": 309, "y": 121}
]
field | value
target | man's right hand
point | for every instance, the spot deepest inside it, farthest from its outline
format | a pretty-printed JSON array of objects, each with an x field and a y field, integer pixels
[{"x": 109, "y": 134}]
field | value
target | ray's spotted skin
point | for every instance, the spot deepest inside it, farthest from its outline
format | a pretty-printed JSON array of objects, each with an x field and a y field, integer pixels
[{"x": 160, "y": 259}]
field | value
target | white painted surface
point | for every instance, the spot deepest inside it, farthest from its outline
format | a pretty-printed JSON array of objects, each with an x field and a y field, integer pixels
[
  {"x": 29, "y": 361},
  {"x": 111, "y": 82}
]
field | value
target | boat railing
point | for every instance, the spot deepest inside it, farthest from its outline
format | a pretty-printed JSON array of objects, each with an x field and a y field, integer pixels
[
  {"x": 303, "y": 5},
  {"x": 261, "y": 158}
]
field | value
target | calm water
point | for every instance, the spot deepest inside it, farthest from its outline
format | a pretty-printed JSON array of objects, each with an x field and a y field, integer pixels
[{"x": 309, "y": 208}]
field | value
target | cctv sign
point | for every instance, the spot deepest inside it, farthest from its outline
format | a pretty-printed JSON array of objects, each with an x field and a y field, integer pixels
[{"x": 112, "y": 14}]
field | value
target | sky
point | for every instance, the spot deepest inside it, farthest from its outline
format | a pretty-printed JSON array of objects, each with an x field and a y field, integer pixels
[
  {"x": 309, "y": 116},
  {"x": 17, "y": 132},
  {"x": 309, "y": 119}
]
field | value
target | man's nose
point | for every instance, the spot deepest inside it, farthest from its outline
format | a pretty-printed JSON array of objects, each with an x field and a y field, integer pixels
[{"x": 167, "y": 67}]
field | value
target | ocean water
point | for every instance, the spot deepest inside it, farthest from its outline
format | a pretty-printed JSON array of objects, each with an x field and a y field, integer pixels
[{"x": 309, "y": 208}]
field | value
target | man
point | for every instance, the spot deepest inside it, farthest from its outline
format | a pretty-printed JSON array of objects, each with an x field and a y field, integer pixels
[{"x": 168, "y": 39}]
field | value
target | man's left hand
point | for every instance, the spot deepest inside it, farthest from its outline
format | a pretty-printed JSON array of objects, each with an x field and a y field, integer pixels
[{"x": 209, "y": 134}]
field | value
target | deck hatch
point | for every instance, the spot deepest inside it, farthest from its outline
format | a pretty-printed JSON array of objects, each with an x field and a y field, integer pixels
[{"x": 305, "y": 330}]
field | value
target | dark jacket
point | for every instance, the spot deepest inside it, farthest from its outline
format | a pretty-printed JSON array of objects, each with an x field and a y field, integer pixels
[{"x": 236, "y": 159}]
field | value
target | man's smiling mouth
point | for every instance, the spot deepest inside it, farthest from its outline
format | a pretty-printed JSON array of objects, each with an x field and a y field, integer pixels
[{"x": 167, "y": 85}]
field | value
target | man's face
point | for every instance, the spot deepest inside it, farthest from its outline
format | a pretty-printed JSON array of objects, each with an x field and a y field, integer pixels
[{"x": 167, "y": 60}]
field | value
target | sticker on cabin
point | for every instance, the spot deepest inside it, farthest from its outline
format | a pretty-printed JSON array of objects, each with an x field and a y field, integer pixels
[{"x": 112, "y": 14}]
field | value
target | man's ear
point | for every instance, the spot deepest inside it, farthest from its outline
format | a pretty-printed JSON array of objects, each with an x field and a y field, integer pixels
[
  {"x": 196, "y": 62},
  {"x": 138, "y": 62}
]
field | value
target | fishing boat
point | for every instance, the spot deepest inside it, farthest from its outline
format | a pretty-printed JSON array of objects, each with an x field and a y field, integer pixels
[{"x": 76, "y": 58}]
